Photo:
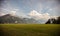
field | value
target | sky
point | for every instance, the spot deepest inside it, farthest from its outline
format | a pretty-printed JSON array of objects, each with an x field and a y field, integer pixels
[{"x": 38, "y": 9}]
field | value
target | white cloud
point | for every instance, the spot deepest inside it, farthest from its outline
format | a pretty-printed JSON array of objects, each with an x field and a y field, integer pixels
[
  {"x": 34, "y": 13},
  {"x": 1, "y": 14},
  {"x": 9, "y": 11},
  {"x": 54, "y": 17},
  {"x": 44, "y": 16},
  {"x": 13, "y": 12},
  {"x": 37, "y": 15}
]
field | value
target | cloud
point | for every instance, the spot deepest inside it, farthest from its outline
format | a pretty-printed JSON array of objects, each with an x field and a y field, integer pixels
[
  {"x": 37, "y": 15},
  {"x": 13, "y": 13},
  {"x": 1, "y": 14},
  {"x": 44, "y": 16}
]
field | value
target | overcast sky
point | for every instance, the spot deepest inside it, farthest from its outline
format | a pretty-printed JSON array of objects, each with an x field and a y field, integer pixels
[{"x": 33, "y": 8}]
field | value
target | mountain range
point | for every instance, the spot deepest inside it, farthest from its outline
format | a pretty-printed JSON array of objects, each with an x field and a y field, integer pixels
[{"x": 8, "y": 18}]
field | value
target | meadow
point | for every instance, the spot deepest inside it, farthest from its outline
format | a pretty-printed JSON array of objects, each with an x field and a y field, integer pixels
[{"x": 29, "y": 30}]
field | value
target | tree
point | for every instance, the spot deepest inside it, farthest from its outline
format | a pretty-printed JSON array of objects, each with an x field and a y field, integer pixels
[
  {"x": 53, "y": 21},
  {"x": 58, "y": 20},
  {"x": 48, "y": 22}
]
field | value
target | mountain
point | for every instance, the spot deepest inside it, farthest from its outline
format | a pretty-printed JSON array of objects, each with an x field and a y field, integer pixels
[{"x": 13, "y": 19}]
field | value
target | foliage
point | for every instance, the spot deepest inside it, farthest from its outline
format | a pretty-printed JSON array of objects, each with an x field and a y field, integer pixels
[{"x": 53, "y": 21}]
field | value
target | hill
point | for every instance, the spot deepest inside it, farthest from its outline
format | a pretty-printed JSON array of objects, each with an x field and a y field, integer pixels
[{"x": 13, "y": 19}]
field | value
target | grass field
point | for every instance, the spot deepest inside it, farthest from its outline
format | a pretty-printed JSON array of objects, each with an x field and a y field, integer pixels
[{"x": 29, "y": 30}]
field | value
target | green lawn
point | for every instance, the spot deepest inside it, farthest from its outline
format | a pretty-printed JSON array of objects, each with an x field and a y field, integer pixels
[{"x": 29, "y": 29}]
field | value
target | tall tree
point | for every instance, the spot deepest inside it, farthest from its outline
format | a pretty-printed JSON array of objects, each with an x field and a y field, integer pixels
[
  {"x": 53, "y": 21},
  {"x": 48, "y": 22},
  {"x": 58, "y": 20}
]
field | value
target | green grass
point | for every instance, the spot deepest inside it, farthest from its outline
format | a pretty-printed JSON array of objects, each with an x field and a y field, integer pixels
[{"x": 29, "y": 29}]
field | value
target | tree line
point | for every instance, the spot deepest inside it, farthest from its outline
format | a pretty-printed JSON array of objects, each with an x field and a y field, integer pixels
[{"x": 53, "y": 21}]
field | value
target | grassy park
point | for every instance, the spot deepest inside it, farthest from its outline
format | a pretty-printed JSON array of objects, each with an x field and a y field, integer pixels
[{"x": 29, "y": 29}]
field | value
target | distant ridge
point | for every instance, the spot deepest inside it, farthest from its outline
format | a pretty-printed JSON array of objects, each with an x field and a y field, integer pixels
[{"x": 13, "y": 19}]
